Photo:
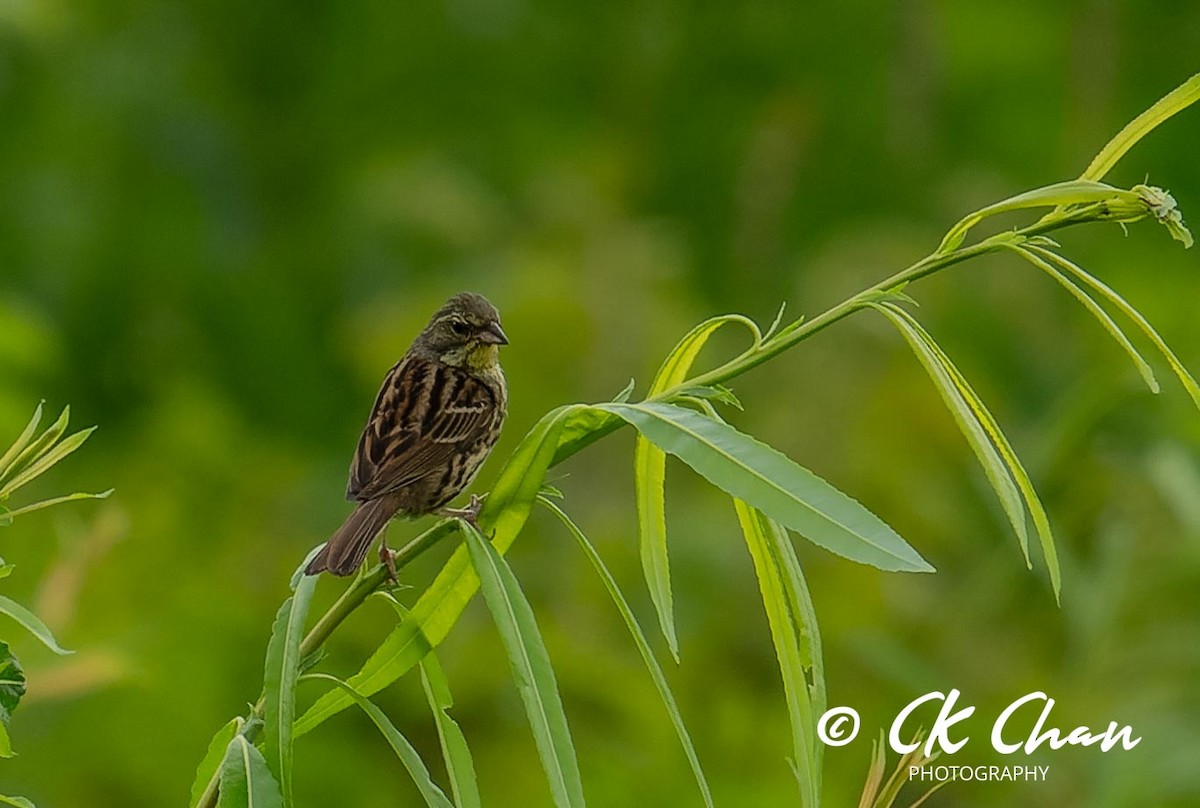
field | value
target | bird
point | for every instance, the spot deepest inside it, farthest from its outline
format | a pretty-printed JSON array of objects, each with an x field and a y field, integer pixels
[{"x": 434, "y": 422}]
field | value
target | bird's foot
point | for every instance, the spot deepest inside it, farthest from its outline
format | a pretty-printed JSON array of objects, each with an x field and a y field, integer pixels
[
  {"x": 387, "y": 557},
  {"x": 469, "y": 514}
]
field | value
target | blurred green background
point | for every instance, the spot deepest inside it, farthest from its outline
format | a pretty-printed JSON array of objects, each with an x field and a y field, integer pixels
[{"x": 221, "y": 222}]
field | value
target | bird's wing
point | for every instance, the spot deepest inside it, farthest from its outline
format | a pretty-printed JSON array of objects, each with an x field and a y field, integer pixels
[{"x": 423, "y": 412}]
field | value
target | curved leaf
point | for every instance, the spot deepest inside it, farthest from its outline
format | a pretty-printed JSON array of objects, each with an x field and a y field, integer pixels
[
  {"x": 531, "y": 668},
  {"x": 1037, "y": 511},
  {"x": 434, "y": 796},
  {"x": 1178, "y": 99},
  {"x": 32, "y": 624},
  {"x": 649, "y": 466},
  {"x": 1114, "y": 330},
  {"x": 16, "y": 802},
  {"x": 9, "y": 457},
  {"x": 771, "y": 482},
  {"x": 1109, "y": 294},
  {"x": 967, "y": 418},
  {"x": 639, "y": 638},
  {"x": 460, "y": 768}
]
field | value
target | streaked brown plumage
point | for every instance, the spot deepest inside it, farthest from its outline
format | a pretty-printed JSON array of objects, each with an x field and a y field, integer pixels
[{"x": 435, "y": 420}]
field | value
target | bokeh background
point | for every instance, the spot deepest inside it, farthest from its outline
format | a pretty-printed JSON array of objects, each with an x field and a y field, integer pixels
[{"x": 221, "y": 222}]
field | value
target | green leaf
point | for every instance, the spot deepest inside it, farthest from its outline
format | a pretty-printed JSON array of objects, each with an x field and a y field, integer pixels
[
  {"x": 796, "y": 638},
  {"x": 966, "y": 416},
  {"x": 212, "y": 760},
  {"x": 625, "y": 393},
  {"x": 46, "y": 503},
  {"x": 38, "y": 447},
  {"x": 246, "y": 781},
  {"x": 17, "y": 802},
  {"x": 46, "y": 461},
  {"x": 279, "y": 682},
  {"x": 649, "y": 466},
  {"x": 434, "y": 796},
  {"x": 504, "y": 513},
  {"x": 7, "y": 460},
  {"x": 12, "y": 688},
  {"x": 1037, "y": 511},
  {"x": 1060, "y": 194},
  {"x": 639, "y": 638},
  {"x": 455, "y": 753},
  {"x": 1178, "y": 99},
  {"x": 531, "y": 668},
  {"x": 792, "y": 495},
  {"x": 1129, "y": 311},
  {"x": 32, "y": 624},
  {"x": 1096, "y": 311}
]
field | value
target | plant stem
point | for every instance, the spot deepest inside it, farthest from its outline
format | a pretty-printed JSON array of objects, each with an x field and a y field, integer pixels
[{"x": 334, "y": 616}]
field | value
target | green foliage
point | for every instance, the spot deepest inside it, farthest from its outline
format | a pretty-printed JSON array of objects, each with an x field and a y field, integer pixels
[
  {"x": 12, "y": 688},
  {"x": 246, "y": 780},
  {"x": 531, "y": 668}
]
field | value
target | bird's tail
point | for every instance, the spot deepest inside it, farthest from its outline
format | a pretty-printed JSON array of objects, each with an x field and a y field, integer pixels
[{"x": 347, "y": 548}]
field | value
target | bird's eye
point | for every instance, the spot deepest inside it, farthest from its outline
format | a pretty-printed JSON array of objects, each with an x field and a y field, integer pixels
[{"x": 459, "y": 327}]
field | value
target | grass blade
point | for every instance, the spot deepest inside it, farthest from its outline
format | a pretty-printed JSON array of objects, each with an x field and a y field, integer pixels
[
  {"x": 434, "y": 797},
  {"x": 639, "y": 639},
  {"x": 1037, "y": 511},
  {"x": 246, "y": 782},
  {"x": 531, "y": 668},
  {"x": 771, "y": 482},
  {"x": 1114, "y": 330},
  {"x": 796, "y": 640},
  {"x": 31, "y": 624},
  {"x": 650, "y": 466},
  {"x": 968, "y": 420},
  {"x": 16, "y": 802},
  {"x": 1109, "y": 294},
  {"x": 212, "y": 760},
  {"x": 282, "y": 670}
]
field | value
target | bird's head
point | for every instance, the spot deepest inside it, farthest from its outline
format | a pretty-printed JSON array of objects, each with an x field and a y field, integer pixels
[{"x": 465, "y": 332}]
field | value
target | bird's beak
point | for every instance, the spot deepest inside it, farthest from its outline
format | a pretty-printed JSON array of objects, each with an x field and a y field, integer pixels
[{"x": 493, "y": 334}]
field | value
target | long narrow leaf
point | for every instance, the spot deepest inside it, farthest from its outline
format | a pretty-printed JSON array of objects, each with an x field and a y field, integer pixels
[
  {"x": 46, "y": 503},
  {"x": 1109, "y": 294},
  {"x": 18, "y": 446},
  {"x": 246, "y": 782},
  {"x": 1178, "y": 99},
  {"x": 796, "y": 657},
  {"x": 968, "y": 420},
  {"x": 16, "y": 802},
  {"x": 771, "y": 482},
  {"x": 639, "y": 639},
  {"x": 32, "y": 624},
  {"x": 1114, "y": 330},
  {"x": 457, "y": 755},
  {"x": 531, "y": 668},
  {"x": 282, "y": 669},
  {"x": 212, "y": 760},
  {"x": 649, "y": 464},
  {"x": 1037, "y": 511},
  {"x": 37, "y": 448},
  {"x": 44, "y": 462},
  {"x": 504, "y": 514},
  {"x": 434, "y": 797}
]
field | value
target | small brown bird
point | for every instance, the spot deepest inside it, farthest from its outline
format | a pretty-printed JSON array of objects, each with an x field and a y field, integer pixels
[{"x": 435, "y": 420}]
